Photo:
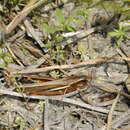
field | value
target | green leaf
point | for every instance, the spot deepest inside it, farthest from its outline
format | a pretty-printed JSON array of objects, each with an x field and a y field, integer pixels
[
  {"x": 54, "y": 74},
  {"x": 128, "y": 37},
  {"x": 69, "y": 28},
  {"x": 8, "y": 59},
  {"x": 60, "y": 16},
  {"x": 70, "y": 20},
  {"x": 120, "y": 27},
  {"x": 48, "y": 28},
  {"x": 115, "y": 30},
  {"x": 119, "y": 41},
  {"x": 83, "y": 12},
  {"x": 114, "y": 34},
  {"x": 48, "y": 44}
]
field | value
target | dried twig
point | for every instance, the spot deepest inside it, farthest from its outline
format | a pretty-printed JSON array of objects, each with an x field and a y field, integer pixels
[
  {"x": 80, "y": 35},
  {"x": 88, "y": 62},
  {"x": 19, "y": 34},
  {"x": 31, "y": 5},
  {"x": 59, "y": 98},
  {"x": 13, "y": 55},
  {"x": 111, "y": 112},
  {"x": 31, "y": 30},
  {"x": 84, "y": 105}
]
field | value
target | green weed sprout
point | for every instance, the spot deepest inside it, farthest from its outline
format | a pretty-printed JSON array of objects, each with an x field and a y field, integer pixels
[
  {"x": 64, "y": 25},
  {"x": 120, "y": 33}
]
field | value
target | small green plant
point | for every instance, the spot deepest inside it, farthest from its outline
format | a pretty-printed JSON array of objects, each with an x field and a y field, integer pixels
[
  {"x": 51, "y": 30},
  {"x": 19, "y": 122},
  {"x": 83, "y": 12},
  {"x": 64, "y": 25},
  {"x": 58, "y": 54},
  {"x": 5, "y": 2},
  {"x": 81, "y": 50},
  {"x": 13, "y": 3},
  {"x": 5, "y": 56},
  {"x": 120, "y": 33},
  {"x": 54, "y": 74}
]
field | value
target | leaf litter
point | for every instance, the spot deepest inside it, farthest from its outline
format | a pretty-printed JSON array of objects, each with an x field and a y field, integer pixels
[{"x": 59, "y": 68}]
